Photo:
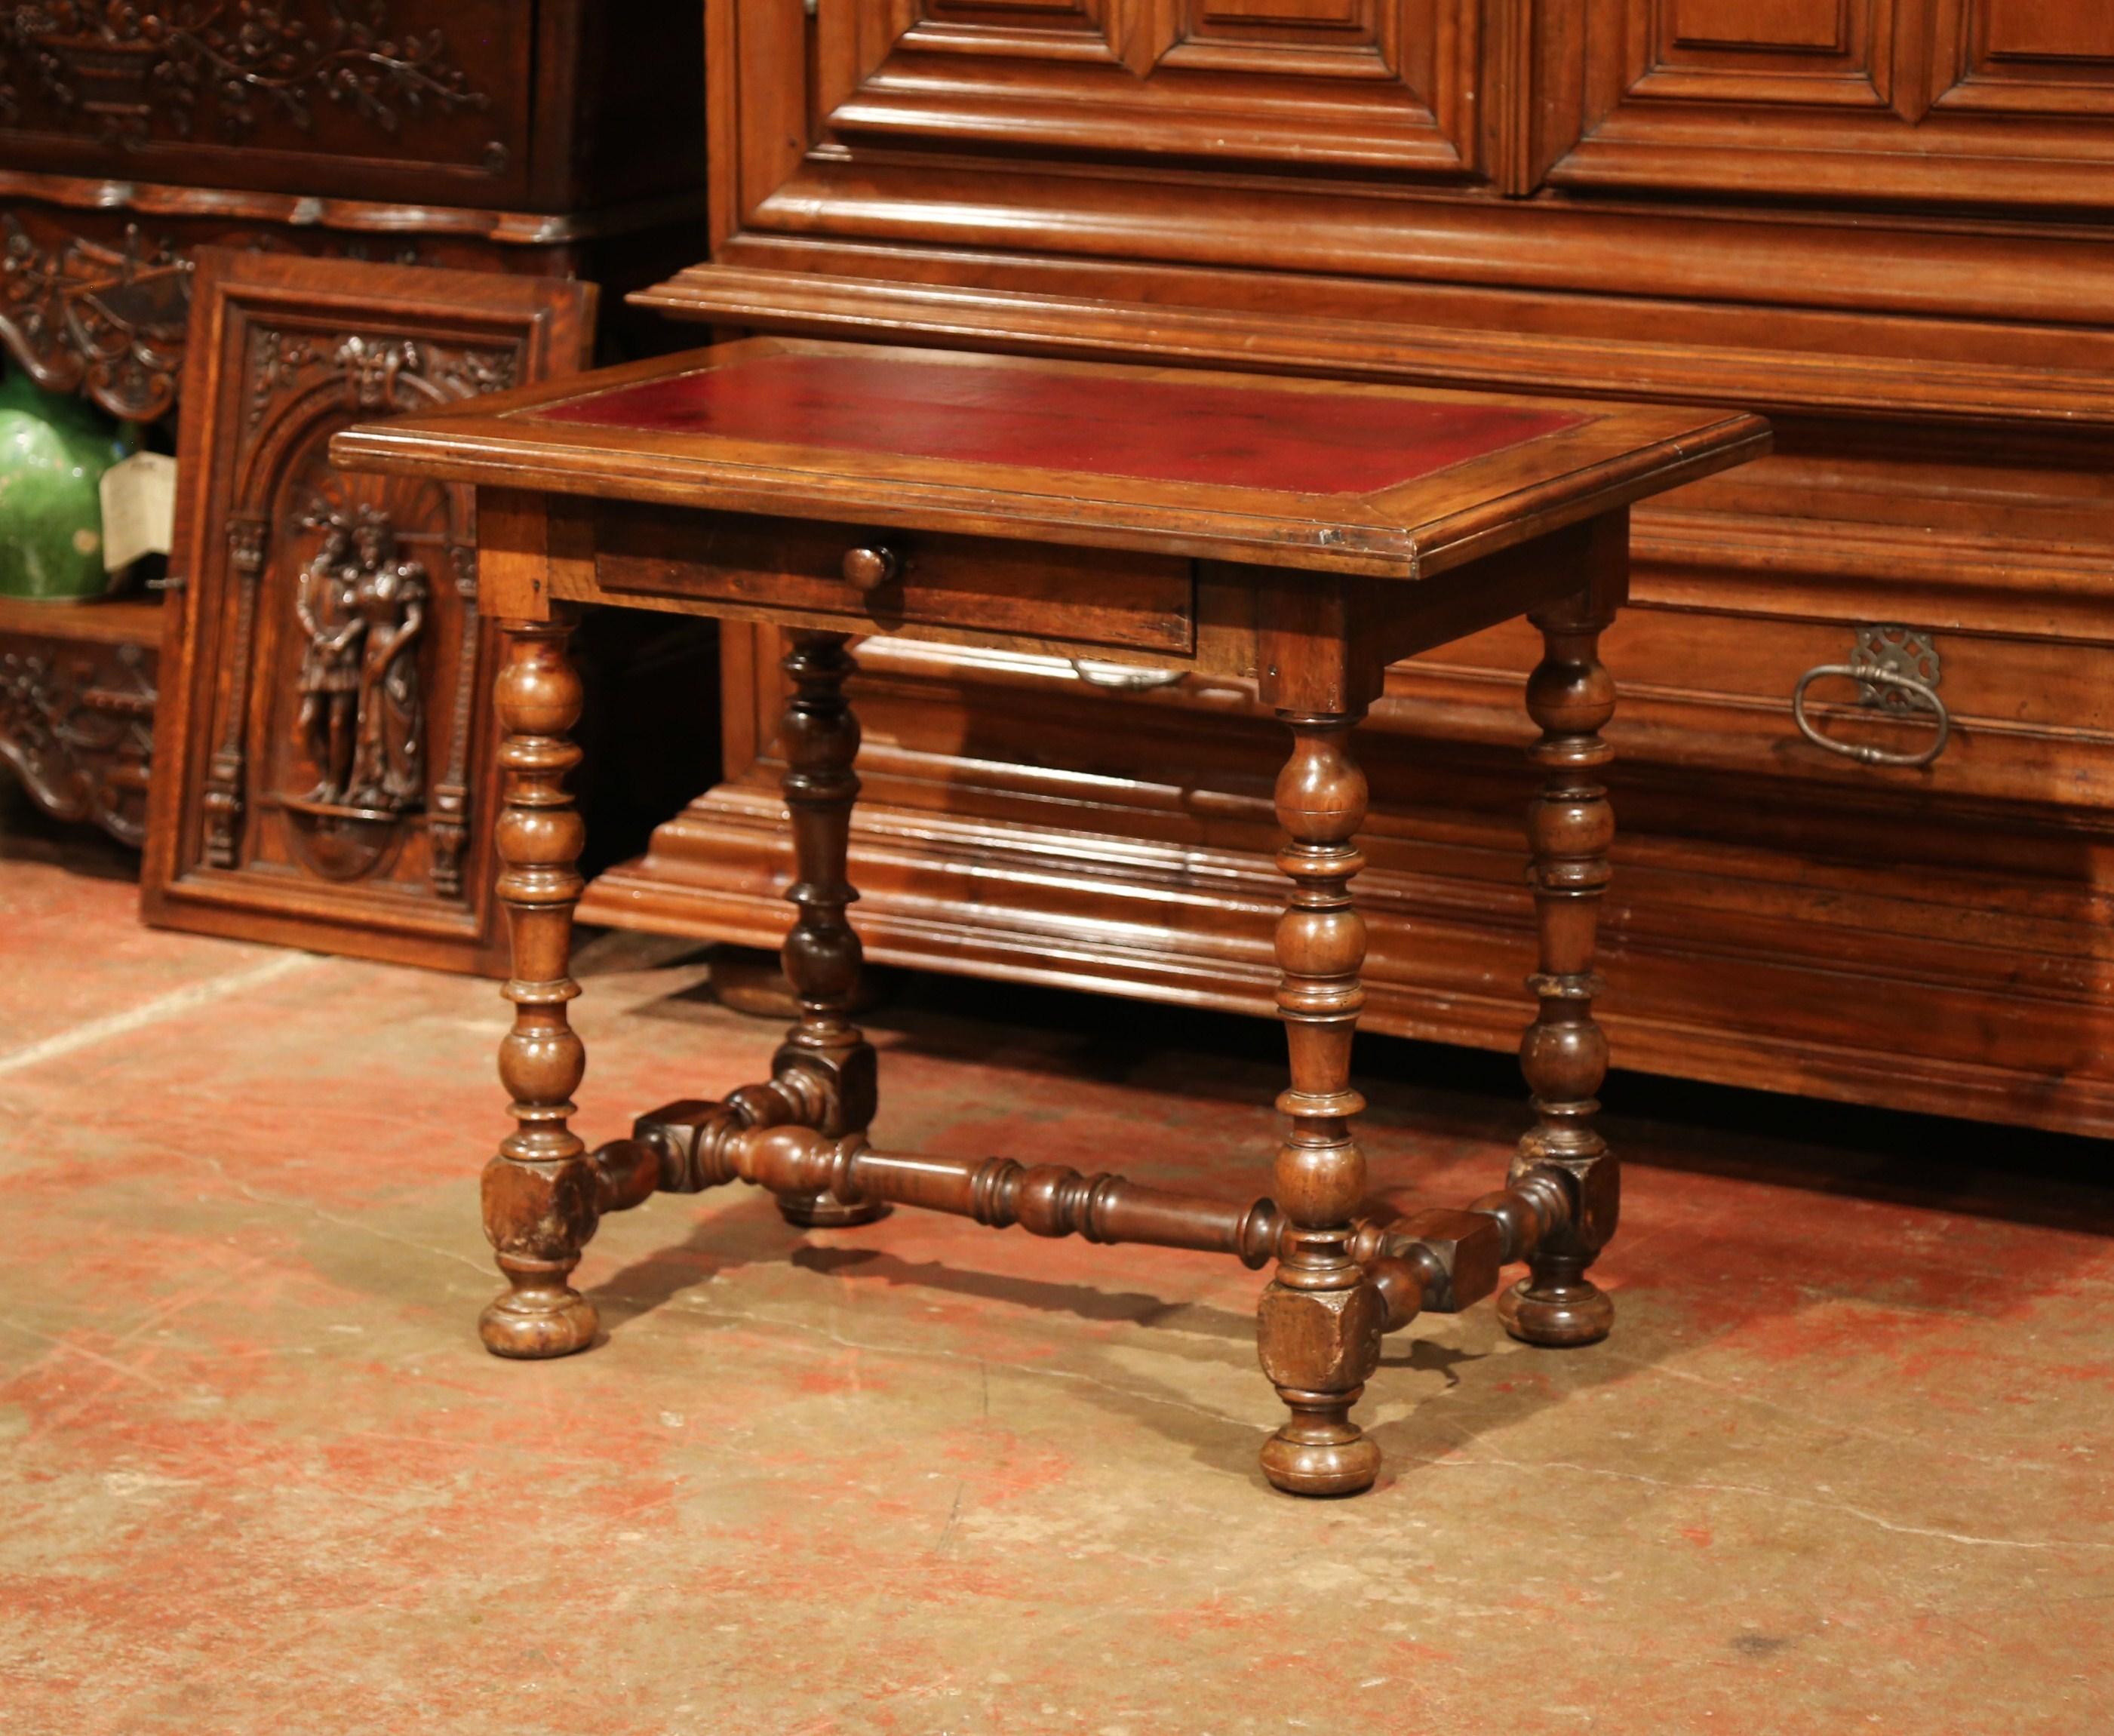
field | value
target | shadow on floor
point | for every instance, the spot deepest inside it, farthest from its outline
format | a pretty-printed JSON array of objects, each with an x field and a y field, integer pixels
[
  {"x": 1427, "y": 1098},
  {"x": 2018, "y": 1174}
]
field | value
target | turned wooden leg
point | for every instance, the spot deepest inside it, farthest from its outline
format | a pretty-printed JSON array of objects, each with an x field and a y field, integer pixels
[
  {"x": 1564, "y": 1053},
  {"x": 1318, "y": 1329},
  {"x": 540, "y": 1191},
  {"x": 825, "y": 1057}
]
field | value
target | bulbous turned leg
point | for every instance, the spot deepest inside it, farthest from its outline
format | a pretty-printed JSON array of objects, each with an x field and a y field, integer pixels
[
  {"x": 1564, "y": 1053},
  {"x": 825, "y": 1056},
  {"x": 540, "y": 1191},
  {"x": 1318, "y": 1328}
]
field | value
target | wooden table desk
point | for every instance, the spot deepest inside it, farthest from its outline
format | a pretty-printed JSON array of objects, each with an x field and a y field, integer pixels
[{"x": 1299, "y": 533}]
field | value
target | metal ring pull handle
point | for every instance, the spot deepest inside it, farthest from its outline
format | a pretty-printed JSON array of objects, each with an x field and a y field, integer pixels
[
  {"x": 1924, "y": 696},
  {"x": 1124, "y": 678}
]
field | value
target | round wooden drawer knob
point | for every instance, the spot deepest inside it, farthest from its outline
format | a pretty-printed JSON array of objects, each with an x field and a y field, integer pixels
[{"x": 869, "y": 567}]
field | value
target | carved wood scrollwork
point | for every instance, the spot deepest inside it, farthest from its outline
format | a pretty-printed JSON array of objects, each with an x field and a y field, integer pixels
[
  {"x": 79, "y": 313},
  {"x": 106, "y": 312},
  {"x": 76, "y": 723},
  {"x": 126, "y": 74}
]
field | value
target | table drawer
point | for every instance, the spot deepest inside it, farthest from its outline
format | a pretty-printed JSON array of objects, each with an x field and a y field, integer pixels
[
  {"x": 2030, "y": 719},
  {"x": 746, "y": 565}
]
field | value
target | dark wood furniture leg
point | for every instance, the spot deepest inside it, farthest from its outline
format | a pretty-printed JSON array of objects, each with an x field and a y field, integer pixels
[
  {"x": 540, "y": 1191},
  {"x": 824, "y": 1059},
  {"x": 1564, "y": 1052},
  {"x": 1318, "y": 1328}
]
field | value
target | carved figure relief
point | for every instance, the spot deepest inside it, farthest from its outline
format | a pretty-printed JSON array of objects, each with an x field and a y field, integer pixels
[
  {"x": 327, "y": 751},
  {"x": 364, "y": 606},
  {"x": 368, "y": 754},
  {"x": 123, "y": 70}
]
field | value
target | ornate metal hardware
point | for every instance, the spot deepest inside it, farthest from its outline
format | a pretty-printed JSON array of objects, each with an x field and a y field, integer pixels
[
  {"x": 1125, "y": 678},
  {"x": 1897, "y": 671}
]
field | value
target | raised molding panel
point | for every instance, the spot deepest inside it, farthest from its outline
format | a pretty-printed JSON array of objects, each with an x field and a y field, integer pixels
[
  {"x": 1822, "y": 26},
  {"x": 1924, "y": 101},
  {"x": 1369, "y": 84},
  {"x": 2042, "y": 31},
  {"x": 1828, "y": 52},
  {"x": 2027, "y": 57}
]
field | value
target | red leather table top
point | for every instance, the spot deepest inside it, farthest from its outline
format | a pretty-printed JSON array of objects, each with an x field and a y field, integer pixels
[
  {"x": 1156, "y": 428},
  {"x": 1392, "y": 481}
]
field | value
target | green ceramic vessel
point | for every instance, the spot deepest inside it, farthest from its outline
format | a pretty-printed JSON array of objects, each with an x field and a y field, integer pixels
[{"x": 53, "y": 451}]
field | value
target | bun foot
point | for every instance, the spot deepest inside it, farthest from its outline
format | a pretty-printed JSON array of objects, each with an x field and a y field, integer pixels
[
  {"x": 1320, "y": 1458},
  {"x": 1557, "y": 1315},
  {"x": 532, "y": 1325},
  {"x": 827, "y": 1211}
]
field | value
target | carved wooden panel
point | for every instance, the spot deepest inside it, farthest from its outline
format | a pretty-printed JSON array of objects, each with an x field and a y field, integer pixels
[
  {"x": 325, "y": 746},
  {"x": 98, "y": 301},
  {"x": 1952, "y": 100},
  {"x": 77, "y": 708},
  {"x": 242, "y": 94},
  {"x": 1377, "y": 84},
  {"x": 546, "y": 105}
]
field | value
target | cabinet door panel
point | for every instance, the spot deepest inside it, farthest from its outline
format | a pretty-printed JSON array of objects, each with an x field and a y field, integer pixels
[
  {"x": 1942, "y": 100},
  {"x": 1839, "y": 53},
  {"x": 1385, "y": 84},
  {"x": 2028, "y": 57}
]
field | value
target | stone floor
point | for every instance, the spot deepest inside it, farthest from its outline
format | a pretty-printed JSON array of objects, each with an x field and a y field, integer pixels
[{"x": 1845, "y": 1466}]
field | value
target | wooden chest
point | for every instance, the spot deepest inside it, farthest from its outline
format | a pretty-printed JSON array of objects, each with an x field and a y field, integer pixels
[{"x": 1882, "y": 222}]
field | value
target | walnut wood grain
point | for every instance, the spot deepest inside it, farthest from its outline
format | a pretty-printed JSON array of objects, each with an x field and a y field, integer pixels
[
  {"x": 825, "y": 1056},
  {"x": 1318, "y": 1323},
  {"x": 541, "y": 1200},
  {"x": 1564, "y": 1053}
]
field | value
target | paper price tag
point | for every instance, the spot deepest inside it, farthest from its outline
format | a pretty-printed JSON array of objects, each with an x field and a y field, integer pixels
[{"x": 139, "y": 509}]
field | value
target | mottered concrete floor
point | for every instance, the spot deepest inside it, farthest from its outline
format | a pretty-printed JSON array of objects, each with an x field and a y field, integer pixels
[{"x": 1847, "y": 1464}]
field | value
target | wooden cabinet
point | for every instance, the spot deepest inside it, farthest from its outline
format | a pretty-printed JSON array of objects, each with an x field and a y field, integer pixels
[
  {"x": 536, "y": 136},
  {"x": 554, "y": 105},
  {"x": 1882, "y": 222},
  {"x": 529, "y": 138}
]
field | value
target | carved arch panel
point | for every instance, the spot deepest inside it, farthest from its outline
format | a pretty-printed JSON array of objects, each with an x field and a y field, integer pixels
[{"x": 325, "y": 733}]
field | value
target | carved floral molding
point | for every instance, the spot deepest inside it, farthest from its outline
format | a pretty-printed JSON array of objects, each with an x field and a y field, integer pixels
[
  {"x": 77, "y": 725},
  {"x": 128, "y": 71},
  {"x": 103, "y": 317}
]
